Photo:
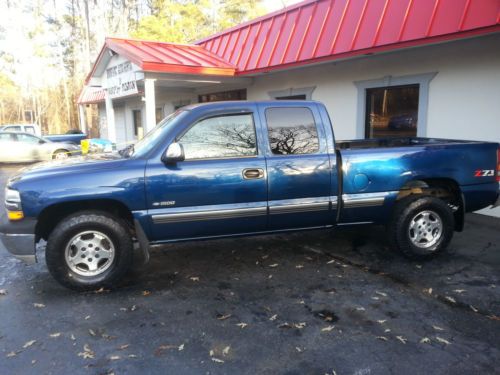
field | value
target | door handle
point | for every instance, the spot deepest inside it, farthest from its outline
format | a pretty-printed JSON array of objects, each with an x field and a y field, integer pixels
[{"x": 253, "y": 173}]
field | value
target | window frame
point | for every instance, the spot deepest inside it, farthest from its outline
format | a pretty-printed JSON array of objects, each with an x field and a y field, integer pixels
[
  {"x": 423, "y": 80},
  {"x": 367, "y": 115},
  {"x": 319, "y": 150},
  {"x": 179, "y": 136}
]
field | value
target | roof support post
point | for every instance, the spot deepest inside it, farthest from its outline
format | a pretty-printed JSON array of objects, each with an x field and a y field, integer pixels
[
  {"x": 110, "y": 119},
  {"x": 83, "y": 118},
  {"x": 149, "y": 94}
]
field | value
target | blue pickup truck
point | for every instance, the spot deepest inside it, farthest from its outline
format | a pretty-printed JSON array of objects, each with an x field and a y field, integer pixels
[{"x": 242, "y": 168}]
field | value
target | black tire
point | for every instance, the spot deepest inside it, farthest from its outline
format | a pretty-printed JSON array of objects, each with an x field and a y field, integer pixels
[
  {"x": 399, "y": 227},
  {"x": 72, "y": 226},
  {"x": 59, "y": 152}
]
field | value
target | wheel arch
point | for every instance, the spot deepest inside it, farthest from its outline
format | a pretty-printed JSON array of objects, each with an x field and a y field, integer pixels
[
  {"x": 446, "y": 189},
  {"x": 51, "y": 215}
]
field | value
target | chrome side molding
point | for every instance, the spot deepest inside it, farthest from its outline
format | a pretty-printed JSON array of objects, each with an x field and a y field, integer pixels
[
  {"x": 365, "y": 199},
  {"x": 208, "y": 215}
]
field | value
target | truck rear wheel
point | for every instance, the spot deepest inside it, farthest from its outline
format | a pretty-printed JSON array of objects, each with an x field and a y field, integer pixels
[
  {"x": 89, "y": 250},
  {"x": 421, "y": 226}
]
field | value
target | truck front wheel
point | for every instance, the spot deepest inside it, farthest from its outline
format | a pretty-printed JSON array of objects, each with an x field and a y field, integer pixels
[
  {"x": 89, "y": 250},
  {"x": 421, "y": 226}
]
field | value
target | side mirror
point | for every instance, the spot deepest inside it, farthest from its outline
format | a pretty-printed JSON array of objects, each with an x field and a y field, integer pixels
[
  {"x": 41, "y": 142},
  {"x": 173, "y": 154}
]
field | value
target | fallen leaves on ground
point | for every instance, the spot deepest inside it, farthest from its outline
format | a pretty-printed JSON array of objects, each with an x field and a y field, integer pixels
[
  {"x": 382, "y": 321},
  {"x": 242, "y": 325},
  {"x": 217, "y": 360},
  {"x": 274, "y": 265},
  {"x": 92, "y": 332},
  {"x": 473, "y": 308},
  {"x": 450, "y": 299},
  {"x": 327, "y": 329},
  {"x": 299, "y": 266},
  {"x": 223, "y": 316},
  {"x": 226, "y": 350},
  {"x": 459, "y": 291},
  {"x": 194, "y": 278},
  {"x": 87, "y": 352},
  {"x": 28, "y": 344},
  {"x": 437, "y": 328},
  {"x": 273, "y": 317},
  {"x": 3, "y": 292},
  {"x": 115, "y": 357},
  {"x": 425, "y": 340},
  {"x": 54, "y": 335},
  {"x": 299, "y": 325},
  {"x": 443, "y": 341},
  {"x": 123, "y": 347},
  {"x": 402, "y": 339},
  {"x": 381, "y": 293},
  {"x": 11, "y": 354},
  {"x": 146, "y": 292},
  {"x": 382, "y": 338},
  {"x": 180, "y": 347},
  {"x": 39, "y": 305}
]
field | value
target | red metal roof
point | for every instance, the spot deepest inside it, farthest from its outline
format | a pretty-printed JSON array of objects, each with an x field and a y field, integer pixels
[
  {"x": 91, "y": 95},
  {"x": 170, "y": 57},
  {"x": 322, "y": 30}
]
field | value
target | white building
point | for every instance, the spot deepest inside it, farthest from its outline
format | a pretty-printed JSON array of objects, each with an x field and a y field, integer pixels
[{"x": 382, "y": 68}]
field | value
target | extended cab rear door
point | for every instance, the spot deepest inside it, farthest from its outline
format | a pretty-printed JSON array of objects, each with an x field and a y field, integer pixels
[{"x": 299, "y": 169}]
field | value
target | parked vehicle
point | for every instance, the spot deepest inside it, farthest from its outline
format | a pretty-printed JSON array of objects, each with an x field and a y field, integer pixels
[
  {"x": 406, "y": 121},
  {"x": 22, "y": 128},
  {"x": 69, "y": 137},
  {"x": 23, "y": 147},
  {"x": 242, "y": 168}
]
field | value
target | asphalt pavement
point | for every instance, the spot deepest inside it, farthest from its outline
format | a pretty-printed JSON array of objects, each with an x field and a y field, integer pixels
[{"x": 319, "y": 302}]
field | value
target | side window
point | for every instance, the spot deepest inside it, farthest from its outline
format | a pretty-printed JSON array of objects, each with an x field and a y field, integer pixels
[
  {"x": 26, "y": 138},
  {"x": 5, "y": 137},
  {"x": 13, "y": 129},
  {"x": 291, "y": 131},
  {"x": 220, "y": 137},
  {"x": 29, "y": 129}
]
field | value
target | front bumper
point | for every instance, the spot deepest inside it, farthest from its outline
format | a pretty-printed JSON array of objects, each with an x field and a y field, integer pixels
[{"x": 19, "y": 239}]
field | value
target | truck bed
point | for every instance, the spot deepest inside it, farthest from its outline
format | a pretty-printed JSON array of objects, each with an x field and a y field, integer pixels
[{"x": 395, "y": 142}]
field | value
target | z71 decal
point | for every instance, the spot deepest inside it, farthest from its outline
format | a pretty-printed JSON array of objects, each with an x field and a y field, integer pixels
[{"x": 484, "y": 173}]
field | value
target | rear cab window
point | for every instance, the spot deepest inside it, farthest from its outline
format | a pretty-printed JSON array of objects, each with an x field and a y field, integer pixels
[{"x": 292, "y": 131}]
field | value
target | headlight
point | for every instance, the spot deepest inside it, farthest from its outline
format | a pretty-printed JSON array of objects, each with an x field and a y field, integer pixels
[{"x": 13, "y": 204}]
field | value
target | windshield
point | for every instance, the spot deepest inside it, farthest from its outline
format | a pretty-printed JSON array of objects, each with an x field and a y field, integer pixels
[{"x": 149, "y": 141}]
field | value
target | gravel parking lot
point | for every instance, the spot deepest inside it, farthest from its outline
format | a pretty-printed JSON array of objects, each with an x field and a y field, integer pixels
[{"x": 319, "y": 302}]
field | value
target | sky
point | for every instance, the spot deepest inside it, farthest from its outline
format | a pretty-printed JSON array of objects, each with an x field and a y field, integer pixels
[{"x": 273, "y": 5}]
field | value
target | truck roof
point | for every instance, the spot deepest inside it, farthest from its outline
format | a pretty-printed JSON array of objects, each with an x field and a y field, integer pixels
[{"x": 239, "y": 103}]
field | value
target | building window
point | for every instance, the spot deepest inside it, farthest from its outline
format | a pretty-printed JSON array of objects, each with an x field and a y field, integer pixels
[
  {"x": 301, "y": 93},
  {"x": 291, "y": 97},
  {"x": 291, "y": 131},
  {"x": 223, "y": 95},
  {"x": 137, "y": 117},
  {"x": 393, "y": 106},
  {"x": 392, "y": 111},
  {"x": 158, "y": 114},
  {"x": 225, "y": 136}
]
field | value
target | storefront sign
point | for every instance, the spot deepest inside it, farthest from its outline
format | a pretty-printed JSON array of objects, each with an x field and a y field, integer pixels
[{"x": 121, "y": 80}]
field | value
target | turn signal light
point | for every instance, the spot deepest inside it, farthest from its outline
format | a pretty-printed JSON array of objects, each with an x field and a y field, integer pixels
[{"x": 15, "y": 215}]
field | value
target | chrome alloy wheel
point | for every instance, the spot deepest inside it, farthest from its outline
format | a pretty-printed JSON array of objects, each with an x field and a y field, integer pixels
[
  {"x": 61, "y": 155},
  {"x": 89, "y": 253},
  {"x": 426, "y": 229}
]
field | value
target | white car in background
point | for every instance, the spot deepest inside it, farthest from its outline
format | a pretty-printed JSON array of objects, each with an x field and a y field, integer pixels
[
  {"x": 23, "y": 147},
  {"x": 22, "y": 128}
]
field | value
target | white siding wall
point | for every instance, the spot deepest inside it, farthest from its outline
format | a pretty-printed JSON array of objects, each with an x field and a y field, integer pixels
[{"x": 464, "y": 96}]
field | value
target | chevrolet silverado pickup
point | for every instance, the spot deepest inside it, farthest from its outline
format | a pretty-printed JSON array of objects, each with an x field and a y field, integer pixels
[{"x": 236, "y": 169}]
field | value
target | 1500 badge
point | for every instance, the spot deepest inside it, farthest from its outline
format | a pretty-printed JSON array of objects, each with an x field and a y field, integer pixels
[
  {"x": 484, "y": 173},
  {"x": 164, "y": 203}
]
